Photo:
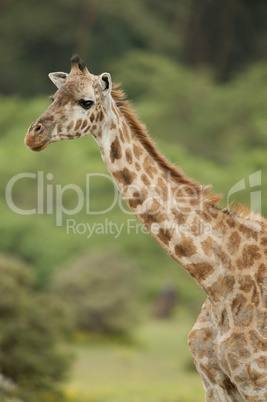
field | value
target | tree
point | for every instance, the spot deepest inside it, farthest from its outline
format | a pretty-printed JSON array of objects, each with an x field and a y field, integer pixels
[
  {"x": 226, "y": 35},
  {"x": 98, "y": 289},
  {"x": 8, "y": 390},
  {"x": 31, "y": 323}
]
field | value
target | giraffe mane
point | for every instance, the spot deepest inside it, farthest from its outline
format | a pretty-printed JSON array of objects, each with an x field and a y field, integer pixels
[{"x": 140, "y": 132}]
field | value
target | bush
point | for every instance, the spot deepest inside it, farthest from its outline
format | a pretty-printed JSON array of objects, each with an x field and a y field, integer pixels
[
  {"x": 99, "y": 291},
  {"x": 8, "y": 390},
  {"x": 31, "y": 324}
]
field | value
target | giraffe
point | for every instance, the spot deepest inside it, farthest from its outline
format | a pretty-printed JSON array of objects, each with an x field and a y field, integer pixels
[{"x": 225, "y": 251}]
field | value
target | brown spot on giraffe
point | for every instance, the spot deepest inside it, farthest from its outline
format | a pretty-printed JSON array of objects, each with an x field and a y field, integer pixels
[
  {"x": 59, "y": 128},
  {"x": 241, "y": 311},
  {"x": 155, "y": 207},
  {"x": 233, "y": 242},
  {"x": 128, "y": 155},
  {"x": 197, "y": 227},
  {"x": 255, "y": 298},
  {"x": 194, "y": 202},
  {"x": 250, "y": 254},
  {"x": 150, "y": 218},
  {"x": 89, "y": 127},
  {"x": 100, "y": 116},
  {"x": 145, "y": 180},
  {"x": 260, "y": 278},
  {"x": 186, "y": 248},
  {"x": 257, "y": 342},
  {"x": 222, "y": 258},
  {"x": 115, "y": 150},
  {"x": 201, "y": 336},
  {"x": 85, "y": 122},
  {"x": 250, "y": 234},
  {"x": 137, "y": 151},
  {"x": 165, "y": 235},
  {"x": 230, "y": 221},
  {"x": 180, "y": 218},
  {"x": 207, "y": 246},
  {"x": 161, "y": 188},
  {"x": 246, "y": 283},
  {"x": 70, "y": 125},
  {"x": 138, "y": 198},
  {"x": 78, "y": 124},
  {"x": 153, "y": 214},
  {"x": 234, "y": 347},
  {"x": 200, "y": 271},
  {"x": 203, "y": 215},
  {"x": 210, "y": 372},
  {"x": 124, "y": 176},
  {"x": 223, "y": 286},
  {"x": 125, "y": 130},
  {"x": 113, "y": 125},
  {"x": 213, "y": 211},
  {"x": 162, "y": 184},
  {"x": 92, "y": 117},
  {"x": 258, "y": 378},
  {"x": 229, "y": 386},
  {"x": 149, "y": 166},
  {"x": 261, "y": 362},
  {"x": 224, "y": 322},
  {"x": 261, "y": 318}
]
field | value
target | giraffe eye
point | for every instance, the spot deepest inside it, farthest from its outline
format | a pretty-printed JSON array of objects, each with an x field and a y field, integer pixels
[{"x": 86, "y": 104}]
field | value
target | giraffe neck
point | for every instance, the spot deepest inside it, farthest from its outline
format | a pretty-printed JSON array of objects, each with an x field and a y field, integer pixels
[{"x": 169, "y": 205}]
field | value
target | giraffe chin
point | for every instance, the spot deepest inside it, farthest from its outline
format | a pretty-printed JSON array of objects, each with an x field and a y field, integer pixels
[{"x": 39, "y": 148}]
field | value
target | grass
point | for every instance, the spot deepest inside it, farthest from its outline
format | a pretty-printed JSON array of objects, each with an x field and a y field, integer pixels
[{"x": 157, "y": 367}]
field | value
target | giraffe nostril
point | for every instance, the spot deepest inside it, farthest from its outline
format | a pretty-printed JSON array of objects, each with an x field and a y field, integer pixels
[{"x": 38, "y": 129}]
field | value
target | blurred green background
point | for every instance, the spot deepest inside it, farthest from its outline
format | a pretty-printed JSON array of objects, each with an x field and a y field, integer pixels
[{"x": 105, "y": 318}]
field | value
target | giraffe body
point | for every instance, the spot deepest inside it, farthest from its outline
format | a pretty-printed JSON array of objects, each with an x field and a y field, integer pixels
[{"x": 225, "y": 252}]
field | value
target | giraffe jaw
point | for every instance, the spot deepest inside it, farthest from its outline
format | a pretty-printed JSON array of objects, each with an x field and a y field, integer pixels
[{"x": 39, "y": 148}]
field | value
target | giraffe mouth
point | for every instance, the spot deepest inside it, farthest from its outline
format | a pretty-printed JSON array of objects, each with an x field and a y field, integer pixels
[
  {"x": 39, "y": 148},
  {"x": 35, "y": 145}
]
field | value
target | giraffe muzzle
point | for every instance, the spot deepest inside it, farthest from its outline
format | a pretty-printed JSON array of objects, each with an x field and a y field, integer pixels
[{"x": 36, "y": 139}]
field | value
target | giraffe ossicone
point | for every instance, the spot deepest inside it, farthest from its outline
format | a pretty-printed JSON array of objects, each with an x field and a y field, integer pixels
[{"x": 224, "y": 251}]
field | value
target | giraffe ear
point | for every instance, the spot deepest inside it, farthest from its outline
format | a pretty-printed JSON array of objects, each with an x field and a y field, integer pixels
[
  {"x": 58, "y": 79},
  {"x": 105, "y": 83}
]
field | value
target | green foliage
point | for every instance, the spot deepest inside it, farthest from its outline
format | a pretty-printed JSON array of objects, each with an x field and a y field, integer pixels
[
  {"x": 214, "y": 121},
  {"x": 50, "y": 32},
  {"x": 32, "y": 324},
  {"x": 37, "y": 38},
  {"x": 98, "y": 290},
  {"x": 8, "y": 390}
]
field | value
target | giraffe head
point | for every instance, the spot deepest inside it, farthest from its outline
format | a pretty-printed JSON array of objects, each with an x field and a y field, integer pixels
[{"x": 80, "y": 107}]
